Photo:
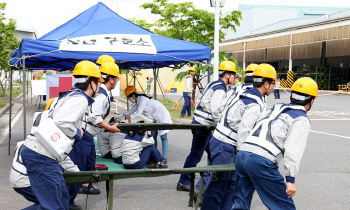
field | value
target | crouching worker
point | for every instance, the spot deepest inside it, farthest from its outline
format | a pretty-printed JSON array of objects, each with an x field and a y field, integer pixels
[
  {"x": 138, "y": 149},
  {"x": 110, "y": 144},
  {"x": 19, "y": 179},
  {"x": 281, "y": 134},
  {"x": 43, "y": 170}
]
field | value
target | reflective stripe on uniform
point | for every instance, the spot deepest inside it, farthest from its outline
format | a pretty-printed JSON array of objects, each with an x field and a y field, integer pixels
[
  {"x": 203, "y": 114},
  {"x": 261, "y": 134},
  {"x": 17, "y": 163}
]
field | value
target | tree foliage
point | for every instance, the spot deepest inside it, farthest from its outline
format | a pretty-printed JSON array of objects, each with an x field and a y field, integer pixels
[
  {"x": 8, "y": 43},
  {"x": 183, "y": 21}
]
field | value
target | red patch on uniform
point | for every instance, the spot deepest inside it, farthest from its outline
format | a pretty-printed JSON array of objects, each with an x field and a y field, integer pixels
[{"x": 55, "y": 137}]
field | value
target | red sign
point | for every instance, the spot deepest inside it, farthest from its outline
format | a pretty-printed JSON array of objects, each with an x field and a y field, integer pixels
[{"x": 55, "y": 137}]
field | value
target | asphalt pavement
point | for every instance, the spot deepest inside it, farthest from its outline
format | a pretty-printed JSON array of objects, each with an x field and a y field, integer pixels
[{"x": 323, "y": 181}]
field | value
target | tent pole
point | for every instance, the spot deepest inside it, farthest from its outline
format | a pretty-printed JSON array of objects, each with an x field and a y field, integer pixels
[
  {"x": 127, "y": 100},
  {"x": 10, "y": 117},
  {"x": 155, "y": 80},
  {"x": 31, "y": 89},
  {"x": 27, "y": 84},
  {"x": 24, "y": 99},
  {"x": 134, "y": 77},
  {"x": 209, "y": 62}
]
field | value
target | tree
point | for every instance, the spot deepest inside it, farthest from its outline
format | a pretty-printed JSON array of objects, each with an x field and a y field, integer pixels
[
  {"x": 8, "y": 43},
  {"x": 183, "y": 21}
]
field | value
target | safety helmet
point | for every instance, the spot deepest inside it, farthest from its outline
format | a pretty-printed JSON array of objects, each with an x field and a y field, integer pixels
[
  {"x": 265, "y": 70},
  {"x": 307, "y": 86},
  {"x": 109, "y": 69},
  {"x": 250, "y": 69},
  {"x": 227, "y": 66},
  {"x": 105, "y": 58},
  {"x": 130, "y": 89},
  {"x": 88, "y": 69},
  {"x": 192, "y": 68}
]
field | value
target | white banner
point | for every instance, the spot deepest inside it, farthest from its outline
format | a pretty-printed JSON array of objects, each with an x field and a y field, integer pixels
[
  {"x": 39, "y": 87},
  {"x": 128, "y": 43},
  {"x": 116, "y": 90}
]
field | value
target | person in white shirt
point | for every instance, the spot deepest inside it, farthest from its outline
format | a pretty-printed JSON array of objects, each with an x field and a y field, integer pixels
[
  {"x": 138, "y": 149},
  {"x": 153, "y": 110},
  {"x": 187, "y": 92}
]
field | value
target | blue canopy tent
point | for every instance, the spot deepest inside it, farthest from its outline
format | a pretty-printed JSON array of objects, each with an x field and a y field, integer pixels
[{"x": 98, "y": 31}]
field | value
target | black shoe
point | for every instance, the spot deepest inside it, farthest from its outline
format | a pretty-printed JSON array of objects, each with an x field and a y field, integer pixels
[
  {"x": 160, "y": 165},
  {"x": 92, "y": 191},
  {"x": 182, "y": 116},
  {"x": 183, "y": 187},
  {"x": 75, "y": 207},
  {"x": 164, "y": 161},
  {"x": 196, "y": 192}
]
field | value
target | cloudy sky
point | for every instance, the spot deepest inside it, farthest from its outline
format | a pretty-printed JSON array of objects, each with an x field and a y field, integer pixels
[{"x": 46, "y": 15}]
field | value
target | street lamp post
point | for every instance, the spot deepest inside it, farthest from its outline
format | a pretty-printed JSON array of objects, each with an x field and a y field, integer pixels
[{"x": 217, "y": 4}]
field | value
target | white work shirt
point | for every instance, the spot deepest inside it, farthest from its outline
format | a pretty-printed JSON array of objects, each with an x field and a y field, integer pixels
[
  {"x": 97, "y": 111},
  {"x": 289, "y": 132},
  {"x": 110, "y": 142},
  {"x": 153, "y": 110},
  {"x": 188, "y": 85},
  {"x": 131, "y": 149}
]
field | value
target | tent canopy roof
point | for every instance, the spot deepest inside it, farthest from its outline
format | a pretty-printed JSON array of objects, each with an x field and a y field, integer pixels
[{"x": 100, "y": 21}]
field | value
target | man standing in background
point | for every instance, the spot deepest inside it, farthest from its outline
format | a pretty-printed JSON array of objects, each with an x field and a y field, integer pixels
[
  {"x": 187, "y": 92},
  {"x": 149, "y": 82}
]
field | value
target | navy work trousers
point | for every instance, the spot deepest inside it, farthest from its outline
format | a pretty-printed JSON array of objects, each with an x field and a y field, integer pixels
[
  {"x": 83, "y": 155},
  {"x": 27, "y": 193},
  {"x": 255, "y": 172},
  {"x": 47, "y": 182},
  {"x": 200, "y": 143},
  {"x": 221, "y": 186},
  {"x": 187, "y": 105}
]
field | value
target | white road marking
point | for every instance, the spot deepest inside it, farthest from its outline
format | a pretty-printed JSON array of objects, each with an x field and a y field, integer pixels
[
  {"x": 346, "y": 137},
  {"x": 13, "y": 122}
]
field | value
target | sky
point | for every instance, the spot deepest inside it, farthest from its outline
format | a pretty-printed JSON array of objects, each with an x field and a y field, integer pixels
[{"x": 46, "y": 15}]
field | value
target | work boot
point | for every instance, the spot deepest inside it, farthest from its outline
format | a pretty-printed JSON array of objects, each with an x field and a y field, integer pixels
[
  {"x": 196, "y": 192},
  {"x": 182, "y": 116},
  {"x": 75, "y": 207},
  {"x": 183, "y": 187},
  {"x": 160, "y": 165},
  {"x": 92, "y": 191},
  {"x": 164, "y": 161}
]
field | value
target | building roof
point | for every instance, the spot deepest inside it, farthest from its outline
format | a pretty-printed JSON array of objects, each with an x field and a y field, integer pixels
[{"x": 279, "y": 17}]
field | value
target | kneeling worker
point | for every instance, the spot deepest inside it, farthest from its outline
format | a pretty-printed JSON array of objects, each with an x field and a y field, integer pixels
[
  {"x": 138, "y": 149},
  {"x": 281, "y": 134}
]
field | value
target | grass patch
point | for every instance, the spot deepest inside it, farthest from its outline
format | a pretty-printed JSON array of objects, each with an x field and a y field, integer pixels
[
  {"x": 169, "y": 104},
  {"x": 3, "y": 103},
  {"x": 15, "y": 92}
]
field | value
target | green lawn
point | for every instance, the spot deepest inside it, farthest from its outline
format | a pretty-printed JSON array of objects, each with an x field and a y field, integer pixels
[
  {"x": 3, "y": 103},
  {"x": 169, "y": 104},
  {"x": 15, "y": 93}
]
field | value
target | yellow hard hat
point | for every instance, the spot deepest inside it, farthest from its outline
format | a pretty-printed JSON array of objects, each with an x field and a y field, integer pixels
[
  {"x": 105, "y": 58},
  {"x": 306, "y": 85},
  {"x": 227, "y": 66},
  {"x": 130, "y": 89},
  {"x": 251, "y": 68},
  {"x": 110, "y": 69},
  {"x": 87, "y": 68},
  {"x": 192, "y": 68},
  {"x": 265, "y": 70}
]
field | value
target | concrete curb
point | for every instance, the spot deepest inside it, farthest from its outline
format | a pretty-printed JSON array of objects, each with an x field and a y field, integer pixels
[
  {"x": 20, "y": 95},
  {"x": 4, "y": 109},
  {"x": 175, "y": 120}
]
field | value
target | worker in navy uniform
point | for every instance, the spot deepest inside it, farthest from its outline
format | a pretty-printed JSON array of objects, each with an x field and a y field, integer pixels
[
  {"x": 138, "y": 148},
  {"x": 19, "y": 179},
  {"x": 187, "y": 92},
  {"x": 280, "y": 134},
  {"x": 42, "y": 166},
  {"x": 248, "y": 84},
  {"x": 236, "y": 122},
  {"x": 84, "y": 153},
  {"x": 207, "y": 112}
]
